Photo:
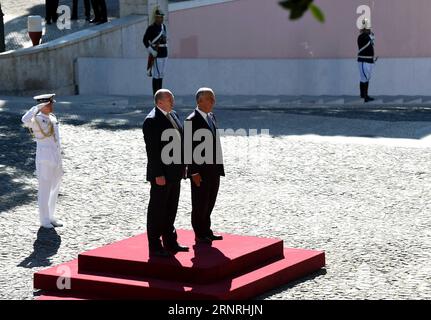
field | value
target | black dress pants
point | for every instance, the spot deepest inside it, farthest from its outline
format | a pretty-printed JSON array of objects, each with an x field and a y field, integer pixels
[
  {"x": 203, "y": 200},
  {"x": 100, "y": 11},
  {"x": 162, "y": 210},
  {"x": 87, "y": 8},
  {"x": 51, "y": 10}
]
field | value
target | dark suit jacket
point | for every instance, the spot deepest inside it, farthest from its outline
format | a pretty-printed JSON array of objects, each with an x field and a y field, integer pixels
[
  {"x": 154, "y": 125},
  {"x": 205, "y": 169}
]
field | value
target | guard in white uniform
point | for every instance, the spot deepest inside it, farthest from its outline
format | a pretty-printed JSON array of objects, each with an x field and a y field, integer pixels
[{"x": 43, "y": 125}]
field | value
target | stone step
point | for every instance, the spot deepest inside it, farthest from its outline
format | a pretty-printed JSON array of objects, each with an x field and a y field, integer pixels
[
  {"x": 202, "y": 264},
  {"x": 238, "y": 267}
]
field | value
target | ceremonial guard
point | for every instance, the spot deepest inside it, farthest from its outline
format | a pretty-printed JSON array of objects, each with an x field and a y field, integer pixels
[
  {"x": 365, "y": 58},
  {"x": 43, "y": 125},
  {"x": 155, "y": 40}
]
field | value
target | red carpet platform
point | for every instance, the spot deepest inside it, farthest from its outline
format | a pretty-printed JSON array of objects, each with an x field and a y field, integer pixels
[{"x": 238, "y": 267}]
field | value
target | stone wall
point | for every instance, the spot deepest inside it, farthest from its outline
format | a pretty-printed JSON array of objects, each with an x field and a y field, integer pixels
[
  {"x": 141, "y": 7},
  {"x": 51, "y": 66},
  {"x": 313, "y": 77}
]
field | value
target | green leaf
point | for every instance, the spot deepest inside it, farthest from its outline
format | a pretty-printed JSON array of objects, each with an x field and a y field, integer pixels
[{"x": 317, "y": 13}]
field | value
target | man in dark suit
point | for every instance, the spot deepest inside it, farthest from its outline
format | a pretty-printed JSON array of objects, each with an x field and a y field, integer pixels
[
  {"x": 100, "y": 11},
  {"x": 164, "y": 172},
  {"x": 51, "y": 11},
  {"x": 205, "y": 172},
  {"x": 87, "y": 8}
]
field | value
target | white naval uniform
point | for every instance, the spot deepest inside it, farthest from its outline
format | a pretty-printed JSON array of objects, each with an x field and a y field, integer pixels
[{"x": 49, "y": 167}]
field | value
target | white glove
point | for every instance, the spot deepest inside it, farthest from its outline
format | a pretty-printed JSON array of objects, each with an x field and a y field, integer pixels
[{"x": 152, "y": 51}]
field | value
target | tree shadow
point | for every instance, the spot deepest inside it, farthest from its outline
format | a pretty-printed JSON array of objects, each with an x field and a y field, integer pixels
[
  {"x": 46, "y": 245},
  {"x": 329, "y": 121},
  {"x": 406, "y": 122},
  {"x": 17, "y": 152}
]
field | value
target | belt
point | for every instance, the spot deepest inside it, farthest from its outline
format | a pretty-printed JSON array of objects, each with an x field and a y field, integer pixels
[
  {"x": 163, "y": 45},
  {"x": 366, "y": 57}
]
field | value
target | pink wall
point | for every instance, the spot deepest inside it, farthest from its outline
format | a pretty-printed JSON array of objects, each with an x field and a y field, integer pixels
[{"x": 261, "y": 29}]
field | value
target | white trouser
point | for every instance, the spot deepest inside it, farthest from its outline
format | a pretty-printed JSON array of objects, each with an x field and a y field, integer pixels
[
  {"x": 49, "y": 179},
  {"x": 159, "y": 68},
  {"x": 365, "y": 70}
]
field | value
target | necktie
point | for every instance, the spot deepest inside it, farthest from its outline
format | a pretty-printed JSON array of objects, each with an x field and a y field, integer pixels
[
  {"x": 211, "y": 123},
  {"x": 174, "y": 123},
  {"x": 172, "y": 120}
]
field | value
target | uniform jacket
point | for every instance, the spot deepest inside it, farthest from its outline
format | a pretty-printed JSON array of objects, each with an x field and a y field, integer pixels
[
  {"x": 48, "y": 148},
  {"x": 151, "y": 34},
  {"x": 366, "y": 41}
]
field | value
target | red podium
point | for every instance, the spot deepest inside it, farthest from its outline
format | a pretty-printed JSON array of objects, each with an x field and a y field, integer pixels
[{"x": 238, "y": 267}]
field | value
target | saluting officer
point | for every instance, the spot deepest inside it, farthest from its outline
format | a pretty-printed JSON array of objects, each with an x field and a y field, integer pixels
[
  {"x": 365, "y": 58},
  {"x": 156, "y": 42},
  {"x": 43, "y": 125}
]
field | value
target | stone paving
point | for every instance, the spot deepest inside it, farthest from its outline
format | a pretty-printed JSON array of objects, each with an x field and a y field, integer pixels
[
  {"x": 355, "y": 182},
  {"x": 17, "y": 11}
]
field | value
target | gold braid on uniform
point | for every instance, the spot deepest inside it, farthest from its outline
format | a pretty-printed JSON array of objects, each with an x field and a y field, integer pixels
[{"x": 45, "y": 135}]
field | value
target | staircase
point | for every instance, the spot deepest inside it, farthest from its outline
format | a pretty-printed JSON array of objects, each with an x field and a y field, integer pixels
[{"x": 238, "y": 267}]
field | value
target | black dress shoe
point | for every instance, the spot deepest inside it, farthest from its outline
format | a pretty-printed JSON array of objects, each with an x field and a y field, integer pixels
[
  {"x": 215, "y": 237},
  {"x": 177, "y": 248},
  {"x": 94, "y": 20},
  {"x": 87, "y": 18},
  {"x": 203, "y": 240},
  {"x": 101, "y": 21},
  {"x": 160, "y": 253}
]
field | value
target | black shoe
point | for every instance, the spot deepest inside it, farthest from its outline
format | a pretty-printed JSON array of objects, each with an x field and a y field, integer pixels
[
  {"x": 74, "y": 18},
  {"x": 203, "y": 240},
  {"x": 160, "y": 253},
  {"x": 362, "y": 89},
  {"x": 94, "y": 20},
  {"x": 177, "y": 248},
  {"x": 215, "y": 237},
  {"x": 87, "y": 18},
  {"x": 368, "y": 99}
]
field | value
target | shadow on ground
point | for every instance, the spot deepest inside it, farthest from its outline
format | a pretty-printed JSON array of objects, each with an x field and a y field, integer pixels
[
  {"x": 401, "y": 122},
  {"x": 46, "y": 245},
  {"x": 17, "y": 152}
]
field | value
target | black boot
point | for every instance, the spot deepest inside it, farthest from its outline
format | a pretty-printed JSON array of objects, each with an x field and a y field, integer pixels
[
  {"x": 367, "y": 97},
  {"x": 362, "y": 89},
  {"x": 155, "y": 86}
]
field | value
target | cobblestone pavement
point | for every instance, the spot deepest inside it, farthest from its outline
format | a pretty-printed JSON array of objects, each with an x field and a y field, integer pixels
[
  {"x": 17, "y": 11},
  {"x": 353, "y": 182}
]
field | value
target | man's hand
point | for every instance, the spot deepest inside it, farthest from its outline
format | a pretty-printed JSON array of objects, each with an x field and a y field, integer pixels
[
  {"x": 197, "y": 179},
  {"x": 160, "y": 181}
]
